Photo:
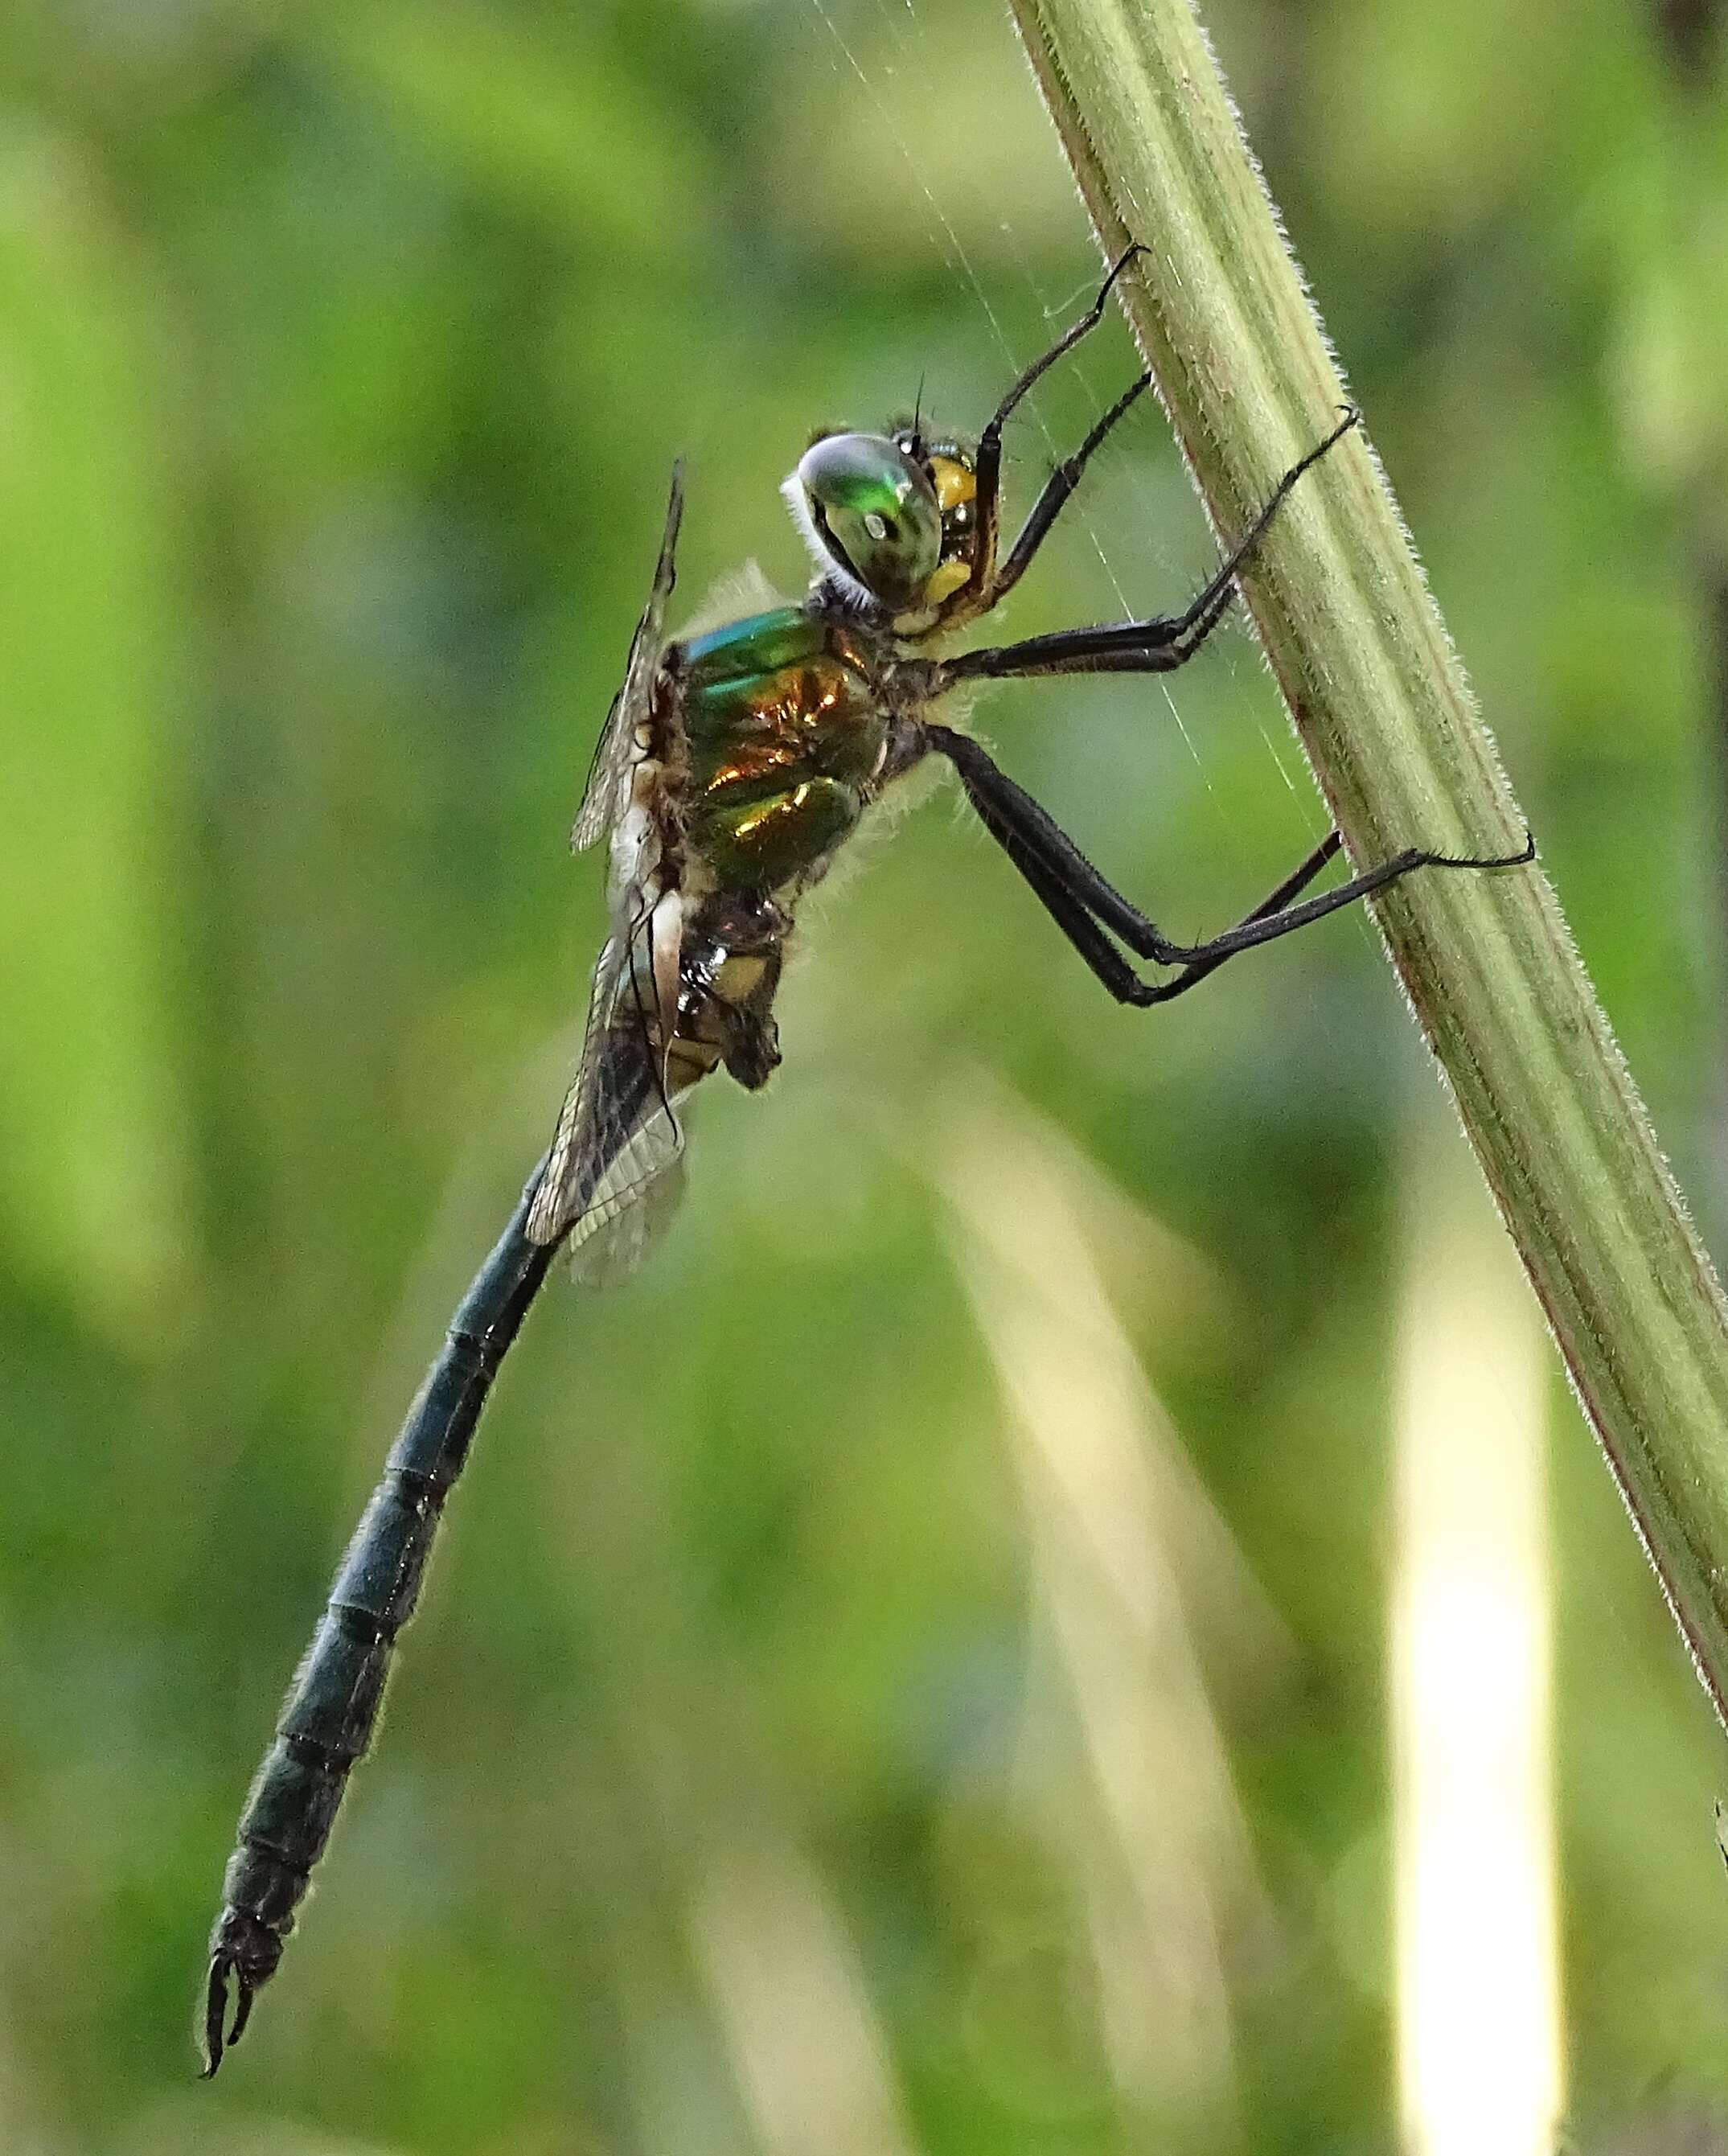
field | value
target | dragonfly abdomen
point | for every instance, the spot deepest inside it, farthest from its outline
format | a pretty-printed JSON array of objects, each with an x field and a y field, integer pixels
[
  {"x": 332, "y": 1708},
  {"x": 327, "y": 1720}
]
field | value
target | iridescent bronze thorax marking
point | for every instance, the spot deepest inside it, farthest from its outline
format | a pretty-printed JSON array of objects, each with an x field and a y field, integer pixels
[{"x": 784, "y": 733}]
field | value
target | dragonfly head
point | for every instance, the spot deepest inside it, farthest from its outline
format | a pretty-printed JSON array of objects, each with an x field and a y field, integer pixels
[{"x": 872, "y": 514}]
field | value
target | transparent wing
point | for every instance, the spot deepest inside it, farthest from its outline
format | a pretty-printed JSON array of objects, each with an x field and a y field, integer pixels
[
  {"x": 607, "y": 1185},
  {"x": 613, "y": 1251},
  {"x": 616, "y": 752}
]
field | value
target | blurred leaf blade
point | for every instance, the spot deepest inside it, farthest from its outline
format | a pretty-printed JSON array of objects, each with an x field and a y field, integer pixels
[
  {"x": 558, "y": 130},
  {"x": 740, "y": 1562},
  {"x": 95, "y": 1173}
]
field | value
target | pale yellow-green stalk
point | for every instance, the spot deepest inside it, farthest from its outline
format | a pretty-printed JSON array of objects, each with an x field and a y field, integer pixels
[{"x": 1379, "y": 698}]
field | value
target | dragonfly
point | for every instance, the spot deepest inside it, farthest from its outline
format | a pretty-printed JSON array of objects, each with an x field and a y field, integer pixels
[{"x": 734, "y": 763}]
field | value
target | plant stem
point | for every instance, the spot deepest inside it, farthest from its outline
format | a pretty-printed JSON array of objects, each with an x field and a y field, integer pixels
[{"x": 1380, "y": 703}]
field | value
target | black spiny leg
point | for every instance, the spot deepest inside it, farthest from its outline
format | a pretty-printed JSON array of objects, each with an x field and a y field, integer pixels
[
  {"x": 987, "y": 468},
  {"x": 1088, "y": 910},
  {"x": 1157, "y": 646},
  {"x": 1051, "y": 502}
]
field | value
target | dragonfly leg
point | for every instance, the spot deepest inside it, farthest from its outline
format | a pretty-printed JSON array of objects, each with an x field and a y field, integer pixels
[
  {"x": 1160, "y": 643},
  {"x": 1270, "y": 920},
  {"x": 988, "y": 465},
  {"x": 1088, "y": 910},
  {"x": 1057, "y": 490}
]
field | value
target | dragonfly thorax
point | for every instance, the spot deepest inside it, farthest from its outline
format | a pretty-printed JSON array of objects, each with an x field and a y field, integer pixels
[{"x": 784, "y": 734}]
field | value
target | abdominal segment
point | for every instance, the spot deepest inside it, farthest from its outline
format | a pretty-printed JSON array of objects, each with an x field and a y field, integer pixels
[{"x": 731, "y": 969}]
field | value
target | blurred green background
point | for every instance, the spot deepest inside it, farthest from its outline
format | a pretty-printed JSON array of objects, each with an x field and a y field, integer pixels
[{"x": 738, "y": 1791}]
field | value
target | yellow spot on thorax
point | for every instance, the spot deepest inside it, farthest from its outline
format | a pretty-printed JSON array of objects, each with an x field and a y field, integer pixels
[
  {"x": 953, "y": 481},
  {"x": 946, "y": 580}
]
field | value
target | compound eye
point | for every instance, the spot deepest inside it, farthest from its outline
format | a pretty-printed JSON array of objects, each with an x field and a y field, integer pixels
[{"x": 874, "y": 512}]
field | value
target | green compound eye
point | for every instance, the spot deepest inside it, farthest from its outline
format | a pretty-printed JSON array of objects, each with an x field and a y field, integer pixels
[{"x": 873, "y": 511}]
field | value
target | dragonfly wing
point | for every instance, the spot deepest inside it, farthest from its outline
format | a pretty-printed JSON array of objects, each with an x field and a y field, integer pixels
[
  {"x": 612, "y": 1251},
  {"x": 616, "y": 750},
  {"x": 618, "y": 1134}
]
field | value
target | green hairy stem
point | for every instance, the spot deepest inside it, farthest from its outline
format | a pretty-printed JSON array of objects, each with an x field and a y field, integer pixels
[{"x": 1381, "y": 704}]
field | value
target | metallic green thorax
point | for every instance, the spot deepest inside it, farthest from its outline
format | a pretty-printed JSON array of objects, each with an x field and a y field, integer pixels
[{"x": 784, "y": 734}]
